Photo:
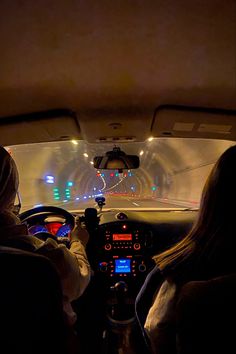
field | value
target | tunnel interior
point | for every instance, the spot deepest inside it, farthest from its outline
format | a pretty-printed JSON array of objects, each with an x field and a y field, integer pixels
[{"x": 170, "y": 169}]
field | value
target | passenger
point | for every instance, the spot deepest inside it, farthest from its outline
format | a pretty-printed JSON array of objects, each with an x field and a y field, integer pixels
[
  {"x": 207, "y": 251},
  {"x": 72, "y": 264}
]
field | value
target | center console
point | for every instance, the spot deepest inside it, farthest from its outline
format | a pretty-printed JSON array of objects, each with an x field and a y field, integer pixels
[
  {"x": 124, "y": 251},
  {"x": 120, "y": 254}
]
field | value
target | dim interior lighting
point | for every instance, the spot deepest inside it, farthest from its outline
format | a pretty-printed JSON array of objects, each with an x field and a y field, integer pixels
[
  {"x": 85, "y": 154},
  {"x": 92, "y": 163},
  {"x": 151, "y": 138},
  {"x": 75, "y": 142},
  {"x": 141, "y": 153}
]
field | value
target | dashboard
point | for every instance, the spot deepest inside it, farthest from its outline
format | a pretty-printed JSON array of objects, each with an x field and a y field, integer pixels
[
  {"x": 121, "y": 250},
  {"x": 122, "y": 244}
]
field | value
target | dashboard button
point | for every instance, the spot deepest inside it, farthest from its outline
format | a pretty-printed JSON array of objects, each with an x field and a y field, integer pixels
[
  {"x": 107, "y": 246},
  {"x": 137, "y": 246},
  {"x": 103, "y": 268},
  {"x": 142, "y": 268}
]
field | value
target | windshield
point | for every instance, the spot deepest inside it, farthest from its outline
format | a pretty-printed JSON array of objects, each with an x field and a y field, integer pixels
[{"x": 172, "y": 174}]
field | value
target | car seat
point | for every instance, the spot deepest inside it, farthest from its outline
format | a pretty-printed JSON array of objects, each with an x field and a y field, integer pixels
[
  {"x": 31, "y": 307},
  {"x": 206, "y": 315}
]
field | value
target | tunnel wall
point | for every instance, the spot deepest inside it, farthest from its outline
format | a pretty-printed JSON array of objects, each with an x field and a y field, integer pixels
[
  {"x": 195, "y": 162},
  {"x": 187, "y": 186}
]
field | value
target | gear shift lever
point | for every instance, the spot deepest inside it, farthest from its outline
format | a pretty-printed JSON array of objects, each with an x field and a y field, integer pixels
[
  {"x": 119, "y": 310},
  {"x": 121, "y": 289}
]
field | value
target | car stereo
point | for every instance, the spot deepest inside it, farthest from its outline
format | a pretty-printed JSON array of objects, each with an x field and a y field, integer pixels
[{"x": 122, "y": 240}]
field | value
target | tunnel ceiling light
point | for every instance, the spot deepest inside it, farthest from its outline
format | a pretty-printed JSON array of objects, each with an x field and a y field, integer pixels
[
  {"x": 85, "y": 154},
  {"x": 92, "y": 163},
  {"x": 141, "y": 153},
  {"x": 151, "y": 138},
  {"x": 75, "y": 142}
]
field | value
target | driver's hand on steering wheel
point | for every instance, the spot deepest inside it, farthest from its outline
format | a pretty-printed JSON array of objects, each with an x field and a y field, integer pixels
[{"x": 79, "y": 233}]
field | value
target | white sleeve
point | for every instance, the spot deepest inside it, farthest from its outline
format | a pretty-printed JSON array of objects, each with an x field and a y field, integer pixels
[{"x": 72, "y": 265}]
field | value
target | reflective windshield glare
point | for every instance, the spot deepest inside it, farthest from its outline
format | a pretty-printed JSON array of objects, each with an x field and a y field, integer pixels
[{"x": 171, "y": 174}]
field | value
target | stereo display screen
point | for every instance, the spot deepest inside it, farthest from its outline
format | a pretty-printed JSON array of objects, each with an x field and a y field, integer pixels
[
  {"x": 122, "y": 266},
  {"x": 122, "y": 237}
]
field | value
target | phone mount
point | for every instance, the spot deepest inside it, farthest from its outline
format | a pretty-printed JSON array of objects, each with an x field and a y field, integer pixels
[
  {"x": 90, "y": 219},
  {"x": 100, "y": 202}
]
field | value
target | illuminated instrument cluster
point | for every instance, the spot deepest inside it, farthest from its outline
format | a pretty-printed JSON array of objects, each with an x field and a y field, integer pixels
[
  {"x": 55, "y": 228},
  {"x": 124, "y": 250}
]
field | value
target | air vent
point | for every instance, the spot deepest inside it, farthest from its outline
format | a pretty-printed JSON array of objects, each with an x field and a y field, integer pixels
[{"x": 121, "y": 216}]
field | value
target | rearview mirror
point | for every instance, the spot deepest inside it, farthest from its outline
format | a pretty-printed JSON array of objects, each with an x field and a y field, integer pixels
[{"x": 116, "y": 160}]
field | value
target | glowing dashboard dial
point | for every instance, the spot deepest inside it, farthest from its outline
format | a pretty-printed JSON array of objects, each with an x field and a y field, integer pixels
[{"x": 54, "y": 228}]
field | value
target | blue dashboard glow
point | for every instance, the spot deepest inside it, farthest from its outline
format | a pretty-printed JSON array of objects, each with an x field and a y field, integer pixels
[
  {"x": 63, "y": 231},
  {"x": 37, "y": 228},
  {"x": 122, "y": 266}
]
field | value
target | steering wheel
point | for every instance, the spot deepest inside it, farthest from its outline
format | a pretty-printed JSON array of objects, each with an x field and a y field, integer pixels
[{"x": 47, "y": 211}]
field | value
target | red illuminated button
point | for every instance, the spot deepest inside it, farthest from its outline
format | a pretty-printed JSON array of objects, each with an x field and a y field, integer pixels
[
  {"x": 107, "y": 246},
  {"x": 137, "y": 246}
]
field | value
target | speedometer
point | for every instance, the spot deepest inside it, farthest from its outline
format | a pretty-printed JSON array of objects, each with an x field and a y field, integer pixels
[
  {"x": 63, "y": 231},
  {"x": 37, "y": 228}
]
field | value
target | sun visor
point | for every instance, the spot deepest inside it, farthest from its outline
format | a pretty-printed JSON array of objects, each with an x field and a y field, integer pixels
[
  {"x": 191, "y": 122},
  {"x": 39, "y": 127}
]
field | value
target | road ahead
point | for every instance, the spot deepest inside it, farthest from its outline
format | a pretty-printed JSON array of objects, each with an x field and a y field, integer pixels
[{"x": 121, "y": 202}]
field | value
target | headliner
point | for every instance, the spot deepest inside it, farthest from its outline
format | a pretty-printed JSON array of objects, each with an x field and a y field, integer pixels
[{"x": 90, "y": 56}]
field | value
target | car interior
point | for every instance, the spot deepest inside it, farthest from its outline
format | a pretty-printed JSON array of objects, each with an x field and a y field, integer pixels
[{"x": 115, "y": 113}]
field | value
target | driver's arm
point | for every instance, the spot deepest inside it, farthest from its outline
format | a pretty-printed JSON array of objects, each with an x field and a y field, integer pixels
[{"x": 72, "y": 264}]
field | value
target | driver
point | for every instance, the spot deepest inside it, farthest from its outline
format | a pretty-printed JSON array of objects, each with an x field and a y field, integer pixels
[{"x": 72, "y": 264}]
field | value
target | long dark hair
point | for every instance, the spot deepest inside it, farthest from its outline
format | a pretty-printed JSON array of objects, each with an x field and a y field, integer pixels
[{"x": 209, "y": 248}]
